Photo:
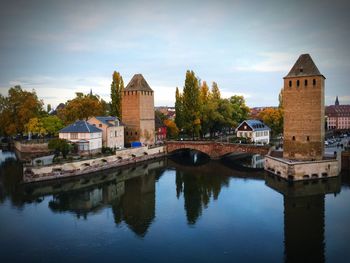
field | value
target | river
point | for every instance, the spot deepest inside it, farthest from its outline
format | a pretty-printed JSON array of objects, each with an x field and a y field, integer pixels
[{"x": 172, "y": 210}]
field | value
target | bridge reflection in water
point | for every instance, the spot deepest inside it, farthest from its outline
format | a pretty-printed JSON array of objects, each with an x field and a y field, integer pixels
[{"x": 304, "y": 216}]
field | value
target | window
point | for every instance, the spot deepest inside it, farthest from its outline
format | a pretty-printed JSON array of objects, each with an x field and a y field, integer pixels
[
  {"x": 307, "y": 138},
  {"x": 115, "y": 133},
  {"x": 74, "y": 135},
  {"x": 293, "y": 138},
  {"x": 135, "y": 133},
  {"x": 298, "y": 83},
  {"x": 290, "y": 83},
  {"x": 314, "y": 82},
  {"x": 301, "y": 70},
  {"x": 100, "y": 125},
  {"x": 305, "y": 82},
  {"x": 126, "y": 133}
]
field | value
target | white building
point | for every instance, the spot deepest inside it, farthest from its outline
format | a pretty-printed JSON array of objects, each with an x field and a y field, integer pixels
[
  {"x": 87, "y": 137},
  {"x": 255, "y": 130}
]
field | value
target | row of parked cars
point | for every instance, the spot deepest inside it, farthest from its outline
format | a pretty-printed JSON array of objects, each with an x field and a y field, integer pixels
[{"x": 335, "y": 140}]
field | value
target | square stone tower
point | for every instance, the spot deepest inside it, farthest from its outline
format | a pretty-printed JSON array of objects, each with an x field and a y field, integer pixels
[
  {"x": 138, "y": 111},
  {"x": 304, "y": 111}
]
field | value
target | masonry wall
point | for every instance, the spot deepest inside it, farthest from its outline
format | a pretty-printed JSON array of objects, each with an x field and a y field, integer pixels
[
  {"x": 138, "y": 116},
  {"x": 304, "y": 118}
]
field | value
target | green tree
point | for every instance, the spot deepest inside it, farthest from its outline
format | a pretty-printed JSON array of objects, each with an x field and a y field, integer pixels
[
  {"x": 191, "y": 105},
  {"x": 59, "y": 146},
  {"x": 117, "y": 88},
  {"x": 52, "y": 124},
  {"x": 179, "y": 117},
  {"x": 240, "y": 109},
  {"x": 215, "y": 91},
  {"x": 48, "y": 108},
  {"x": 205, "y": 108},
  {"x": 17, "y": 109},
  {"x": 81, "y": 108}
]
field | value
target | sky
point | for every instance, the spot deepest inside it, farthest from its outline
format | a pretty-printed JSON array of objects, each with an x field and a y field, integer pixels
[{"x": 247, "y": 47}]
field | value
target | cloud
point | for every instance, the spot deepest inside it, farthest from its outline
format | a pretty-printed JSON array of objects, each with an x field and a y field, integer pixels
[{"x": 270, "y": 62}]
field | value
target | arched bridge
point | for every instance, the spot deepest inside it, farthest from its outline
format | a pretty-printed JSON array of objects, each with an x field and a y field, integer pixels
[{"x": 216, "y": 149}]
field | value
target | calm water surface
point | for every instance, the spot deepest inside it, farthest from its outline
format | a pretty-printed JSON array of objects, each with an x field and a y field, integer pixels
[{"x": 172, "y": 211}]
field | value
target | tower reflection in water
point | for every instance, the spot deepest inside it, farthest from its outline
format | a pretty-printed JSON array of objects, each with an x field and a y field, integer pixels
[
  {"x": 130, "y": 193},
  {"x": 304, "y": 217}
]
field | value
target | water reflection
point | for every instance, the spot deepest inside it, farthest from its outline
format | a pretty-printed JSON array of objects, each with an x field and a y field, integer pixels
[{"x": 304, "y": 217}]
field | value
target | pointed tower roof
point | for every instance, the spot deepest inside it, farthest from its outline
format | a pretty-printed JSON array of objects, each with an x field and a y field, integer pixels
[
  {"x": 138, "y": 82},
  {"x": 336, "y": 102},
  {"x": 303, "y": 67}
]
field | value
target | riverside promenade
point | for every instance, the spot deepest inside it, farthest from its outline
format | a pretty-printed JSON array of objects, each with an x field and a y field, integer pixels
[{"x": 81, "y": 167}]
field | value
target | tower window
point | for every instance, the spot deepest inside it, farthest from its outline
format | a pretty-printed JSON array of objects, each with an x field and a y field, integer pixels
[
  {"x": 290, "y": 83},
  {"x": 293, "y": 138},
  {"x": 298, "y": 83},
  {"x": 307, "y": 138},
  {"x": 314, "y": 82},
  {"x": 305, "y": 82},
  {"x": 301, "y": 70}
]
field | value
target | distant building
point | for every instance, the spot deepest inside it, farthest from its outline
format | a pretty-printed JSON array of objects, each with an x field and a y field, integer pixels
[
  {"x": 169, "y": 112},
  {"x": 112, "y": 131},
  {"x": 161, "y": 130},
  {"x": 255, "y": 130},
  {"x": 138, "y": 111},
  {"x": 304, "y": 111},
  {"x": 87, "y": 137},
  {"x": 338, "y": 116}
]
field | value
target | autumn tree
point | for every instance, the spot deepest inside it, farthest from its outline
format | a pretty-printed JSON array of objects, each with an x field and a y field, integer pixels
[
  {"x": 17, "y": 109},
  {"x": 273, "y": 117},
  {"x": 81, "y": 108},
  {"x": 172, "y": 130},
  {"x": 191, "y": 105},
  {"x": 117, "y": 88}
]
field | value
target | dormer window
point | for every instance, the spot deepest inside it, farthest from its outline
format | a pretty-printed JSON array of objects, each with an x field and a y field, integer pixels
[{"x": 301, "y": 70}]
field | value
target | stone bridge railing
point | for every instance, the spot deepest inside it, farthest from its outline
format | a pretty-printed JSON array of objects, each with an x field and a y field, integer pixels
[{"x": 216, "y": 149}]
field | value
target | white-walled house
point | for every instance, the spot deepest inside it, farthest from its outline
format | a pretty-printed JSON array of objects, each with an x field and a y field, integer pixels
[
  {"x": 86, "y": 136},
  {"x": 256, "y": 130},
  {"x": 112, "y": 130}
]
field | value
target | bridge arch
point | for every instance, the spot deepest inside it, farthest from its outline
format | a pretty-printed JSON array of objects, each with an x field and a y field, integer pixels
[{"x": 216, "y": 149}]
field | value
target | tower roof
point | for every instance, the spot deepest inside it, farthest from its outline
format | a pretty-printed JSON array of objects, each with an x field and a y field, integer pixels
[
  {"x": 138, "y": 82},
  {"x": 303, "y": 67}
]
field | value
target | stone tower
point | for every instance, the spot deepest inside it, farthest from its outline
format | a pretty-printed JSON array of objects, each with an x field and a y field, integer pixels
[
  {"x": 138, "y": 111},
  {"x": 303, "y": 102}
]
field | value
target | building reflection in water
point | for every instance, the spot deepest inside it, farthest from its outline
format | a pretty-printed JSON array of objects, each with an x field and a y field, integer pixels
[
  {"x": 130, "y": 193},
  {"x": 304, "y": 217}
]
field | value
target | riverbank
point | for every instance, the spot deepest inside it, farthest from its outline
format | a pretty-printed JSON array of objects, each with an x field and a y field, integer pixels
[{"x": 71, "y": 169}]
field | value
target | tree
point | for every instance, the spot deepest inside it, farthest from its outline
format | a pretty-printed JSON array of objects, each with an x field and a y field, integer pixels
[
  {"x": 240, "y": 109},
  {"x": 179, "y": 118},
  {"x": 81, "y": 108},
  {"x": 117, "y": 88},
  {"x": 17, "y": 109},
  {"x": 191, "y": 105},
  {"x": 215, "y": 91},
  {"x": 35, "y": 126},
  {"x": 273, "y": 118},
  {"x": 59, "y": 146},
  {"x": 45, "y": 125},
  {"x": 172, "y": 130},
  {"x": 48, "y": 108},
  {"x": 205, "y": 108}
]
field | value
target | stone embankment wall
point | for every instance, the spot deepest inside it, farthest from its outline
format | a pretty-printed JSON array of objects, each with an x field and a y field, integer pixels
[
  {"x": 31, "y": 147},
  {"x": 301, "y": 170},
  {"x": 122, "y": 157},
  {"x": 345, "y": 161}
]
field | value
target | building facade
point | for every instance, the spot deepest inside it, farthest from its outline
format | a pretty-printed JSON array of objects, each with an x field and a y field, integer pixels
[
  {"x": 138, "y": 111},
  {"x": 255, "y": 130},
  {"x": 87, "y": 137},
  {"x": 112, "y": 131},
  {"x": 304, "y": 111},
  {"x": 338, "y": 116},
  {"x": 161, "y": 130}
]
